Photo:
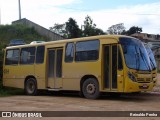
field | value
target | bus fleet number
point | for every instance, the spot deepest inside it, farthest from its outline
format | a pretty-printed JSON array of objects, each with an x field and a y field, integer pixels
[{"x": 6, "y": 71}]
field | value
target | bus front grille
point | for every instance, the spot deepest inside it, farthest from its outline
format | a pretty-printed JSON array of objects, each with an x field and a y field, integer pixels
[{"x": 144, "y": 80}]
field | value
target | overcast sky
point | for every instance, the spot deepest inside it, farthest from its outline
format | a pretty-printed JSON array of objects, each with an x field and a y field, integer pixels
[{"x": 142, "y": 13}]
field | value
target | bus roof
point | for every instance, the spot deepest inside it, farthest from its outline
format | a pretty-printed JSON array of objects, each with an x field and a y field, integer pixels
[{"x": 70, "y": 40}]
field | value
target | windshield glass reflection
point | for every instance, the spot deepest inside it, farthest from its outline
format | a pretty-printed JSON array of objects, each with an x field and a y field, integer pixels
[
  {"x": 151, "y": 57},
  {"x": 136, "y": 56}
]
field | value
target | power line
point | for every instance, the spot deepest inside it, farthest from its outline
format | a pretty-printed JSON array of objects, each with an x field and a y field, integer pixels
[
  {"x": 149, "y": 14},
  {"x": 74, "y": 9},
  {"x": 84, "y": 10}
]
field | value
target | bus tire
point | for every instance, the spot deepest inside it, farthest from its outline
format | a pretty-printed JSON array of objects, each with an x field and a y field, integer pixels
[
  {"x": 31, "y": 86},
  {"x": 90, "y": 88}
]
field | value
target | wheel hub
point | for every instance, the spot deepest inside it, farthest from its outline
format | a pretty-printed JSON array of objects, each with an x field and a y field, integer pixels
[
  {"x": 91, "y": 88},
  {"x": 30, "y": 87}
]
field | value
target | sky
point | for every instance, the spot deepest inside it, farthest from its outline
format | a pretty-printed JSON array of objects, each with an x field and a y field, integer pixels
[{"x": 104, "y": 13}]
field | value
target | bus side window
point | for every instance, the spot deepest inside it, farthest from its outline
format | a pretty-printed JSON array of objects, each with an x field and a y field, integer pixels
[
  {"x": 27, "y": 55},
  {"x": 87, "y": 50},
  {"x": 40, "y": 54},
  {"x": 69, "y": 52},
  {"x": 120, "y": 63}
]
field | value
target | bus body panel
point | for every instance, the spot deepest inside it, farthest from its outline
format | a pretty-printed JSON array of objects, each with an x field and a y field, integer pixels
[
  {"x": 17, "y": 74},
  {"x": 74, "y": 72},
  {"x": 40, "y": 75}
]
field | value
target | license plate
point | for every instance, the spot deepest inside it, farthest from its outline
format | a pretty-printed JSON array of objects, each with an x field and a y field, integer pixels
[{"x": 145, "y": 85}]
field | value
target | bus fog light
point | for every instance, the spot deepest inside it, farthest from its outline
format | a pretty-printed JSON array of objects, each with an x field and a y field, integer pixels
[{"x": 131, "y": 76}]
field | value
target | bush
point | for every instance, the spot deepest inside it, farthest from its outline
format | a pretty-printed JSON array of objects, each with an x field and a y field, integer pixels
[
  {"x": 28, "y": 34},
  {"x": 1, "y": 63}
]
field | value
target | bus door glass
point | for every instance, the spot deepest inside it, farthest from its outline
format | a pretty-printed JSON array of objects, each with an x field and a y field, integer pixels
[
  {"x": 112, "y": 76},
  {"x": 54, "y": 68}
]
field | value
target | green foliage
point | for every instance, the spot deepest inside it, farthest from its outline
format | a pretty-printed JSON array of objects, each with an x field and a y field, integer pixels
[
  {"x": 90, "y": 28},
  {"x": 9, "y": 32},
  {"x": 59, "y": 29},
  {"x": 71, "y": 29},
  {"x": 68, "y": 30},
  {"x": 133, "y": 30},
  {"x": 117, "y": 29},
  {"x": 1, "y": 61}
]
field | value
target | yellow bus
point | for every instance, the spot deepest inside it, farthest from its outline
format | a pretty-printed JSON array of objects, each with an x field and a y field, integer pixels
[{"x": 91, "y": 65}]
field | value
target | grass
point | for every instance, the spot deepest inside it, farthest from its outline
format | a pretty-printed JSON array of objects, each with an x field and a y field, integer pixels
[
  {"x": 28, "y": 34},
  {"x": 6, "y": 91}
]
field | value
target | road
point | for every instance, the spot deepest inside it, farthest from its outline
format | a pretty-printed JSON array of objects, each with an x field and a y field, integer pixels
[{"x": 141, "y": 102}]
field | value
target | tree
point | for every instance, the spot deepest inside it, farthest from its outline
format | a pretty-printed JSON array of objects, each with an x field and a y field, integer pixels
[
  {"x": 72, "y": 29},
  {"x": 69, "y": 29},
  {"x": 59, "y": 29},
  {"x": 89, "y": 28},
  {"x": 116, "y": 29},
  {"x": 99, "y": 31},
  {"x": 133, "y": 30}
]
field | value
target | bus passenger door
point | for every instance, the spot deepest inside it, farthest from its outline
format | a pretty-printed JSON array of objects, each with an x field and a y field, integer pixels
[
  {"x": 54, "y": 68},
  {"x": 112, "y": 76}
]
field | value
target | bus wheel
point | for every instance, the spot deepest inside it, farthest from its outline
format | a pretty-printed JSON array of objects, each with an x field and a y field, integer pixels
[
  {"x": 31, "y": 86},
  {"x": 91, "y": 88}
]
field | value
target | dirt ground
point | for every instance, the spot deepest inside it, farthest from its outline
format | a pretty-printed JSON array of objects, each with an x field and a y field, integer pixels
[{"x": 149, "y": 101}]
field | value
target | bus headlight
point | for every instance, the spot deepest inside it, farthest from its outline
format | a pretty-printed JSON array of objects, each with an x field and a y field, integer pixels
[{"x": 132, "y": 77}]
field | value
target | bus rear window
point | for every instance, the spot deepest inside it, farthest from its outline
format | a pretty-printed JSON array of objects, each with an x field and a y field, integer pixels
[{"x": 12, "y": 57}]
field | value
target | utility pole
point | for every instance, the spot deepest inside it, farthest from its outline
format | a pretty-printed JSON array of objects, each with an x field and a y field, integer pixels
[
  {"x": 19, "y": 9},
  {"x": 0, "y": 12}
]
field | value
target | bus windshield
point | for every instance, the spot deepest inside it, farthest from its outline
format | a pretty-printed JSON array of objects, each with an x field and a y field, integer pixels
[
  {"x": 151, "y": 57},
  {"x": 136, "y": 56}
]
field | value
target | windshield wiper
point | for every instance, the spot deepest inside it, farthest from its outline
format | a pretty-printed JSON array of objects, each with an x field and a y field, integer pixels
[{"x": 137, "y": 59}]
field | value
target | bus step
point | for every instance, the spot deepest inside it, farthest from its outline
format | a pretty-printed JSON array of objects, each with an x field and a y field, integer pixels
[{"x": 58, "y": 89}]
